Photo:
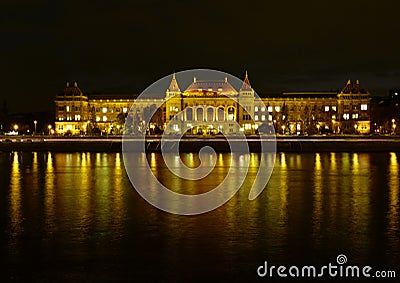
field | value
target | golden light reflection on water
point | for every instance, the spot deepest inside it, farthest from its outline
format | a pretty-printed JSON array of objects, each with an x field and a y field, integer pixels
[
  {"x": 16, "y": 216},
  {"x": 360, "y": 194},
  {"x": 84, "y": 191},
  {"x": 318, "y": 198},
  {"x": 394, "y": 211},
  {"x": 85, "y": 195},
  {"x": 50, "y": 196},
  {"x": 118, "y": 213},
  {"x": 333, "y": 163},
  {"x": 284, "y": 190}
]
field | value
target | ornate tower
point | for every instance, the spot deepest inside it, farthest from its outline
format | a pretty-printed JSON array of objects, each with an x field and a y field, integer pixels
[
  {"x": 173, "y": 103},
  {"x": 246, "y": 90},
  {"x": 246, "y": 108},
  {"x": 173, "y": 89}
]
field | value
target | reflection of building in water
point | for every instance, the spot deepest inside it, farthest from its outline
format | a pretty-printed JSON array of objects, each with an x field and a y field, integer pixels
[{"x": 213, "y": 106}]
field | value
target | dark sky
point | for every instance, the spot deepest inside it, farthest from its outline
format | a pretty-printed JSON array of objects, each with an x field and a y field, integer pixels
[{"x": 123, "y": 46}]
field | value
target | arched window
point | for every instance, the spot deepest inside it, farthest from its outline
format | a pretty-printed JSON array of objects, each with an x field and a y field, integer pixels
[
  {"x": 189, "y": 114},
  {"x": 200, "y": 114},
  {"x": 221, "y": 114},
  {"x": 210, "y": 114},
  {"x": 231, "y": 113}
]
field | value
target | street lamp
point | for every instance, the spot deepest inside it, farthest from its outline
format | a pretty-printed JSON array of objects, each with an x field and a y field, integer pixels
[
  {"x": 283, "y": 129},
  {"x": 15, "y": 127},
  {"x": 35, "y": 122},
  {"x": 318, "y": 126},
  {"x": 49, "y": 126},
  {"x": 394, "y": 126},
  {"x": 355, "y": 128}
]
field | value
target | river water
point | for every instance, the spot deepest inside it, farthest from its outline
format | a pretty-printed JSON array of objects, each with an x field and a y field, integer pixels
[{"x": 74, "y": 217}]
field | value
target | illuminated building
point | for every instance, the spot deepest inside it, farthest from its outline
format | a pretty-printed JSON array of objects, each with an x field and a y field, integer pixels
[
  {"x": 209, "y": 107},
  {"x": 354, "y": 108}
]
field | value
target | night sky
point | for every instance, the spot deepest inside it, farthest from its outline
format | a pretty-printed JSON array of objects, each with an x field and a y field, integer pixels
[{"x": 123, "y": 46}]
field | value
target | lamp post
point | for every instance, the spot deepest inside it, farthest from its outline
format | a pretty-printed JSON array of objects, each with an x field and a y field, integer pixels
[
  {"x": 15, "y": 127},
  {"x": 49, "y": 127},
  {"x": 394, "y": 126},
  {"x": 35, "y": 123}
]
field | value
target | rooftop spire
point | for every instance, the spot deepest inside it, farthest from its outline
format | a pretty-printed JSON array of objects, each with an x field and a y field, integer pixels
[
  {"x": 173, "y": 86},
  {"x": 246, "y": 83}
]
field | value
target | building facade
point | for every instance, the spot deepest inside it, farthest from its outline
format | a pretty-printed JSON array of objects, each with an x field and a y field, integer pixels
[{"x": 212, "y": 107}]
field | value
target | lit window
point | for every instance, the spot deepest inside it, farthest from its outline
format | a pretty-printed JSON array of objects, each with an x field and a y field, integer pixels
[
  {"x": 68, "y": 108},
  {"x": 333, "y": 117},
  {"x": 269, "y": 108},
  {"x": 124, "y": 109},
  {"x": 97, "y": 119},
  {"x": 334, "y": 108},
  {"x": 69, "y": 127},
  {"x": 256, "y": 117},
  {"x": 256, "y": 108},
  {"x": 247, "y": 126},
  {"x": 104, "y": 118},
  {"x": 262, "y": 117},
  {"x": 354, "y": 116},
  {"x": 364, "y": 106},
  {"x": 104, "y": 109},
  {"x": 346, "y": 116},
  {"x": 176, "y": 128},
  {"x": 270, "y": 118},
  {"x": 277, "y": 108},
  {"x": 326, "y": 108}
]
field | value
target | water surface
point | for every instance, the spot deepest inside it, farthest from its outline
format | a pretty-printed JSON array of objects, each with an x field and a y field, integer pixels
[{"x": 76, "y": 217}]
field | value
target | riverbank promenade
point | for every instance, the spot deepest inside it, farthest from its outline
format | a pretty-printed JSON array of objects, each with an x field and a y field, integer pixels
[{"x": 193, "y": 144}]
